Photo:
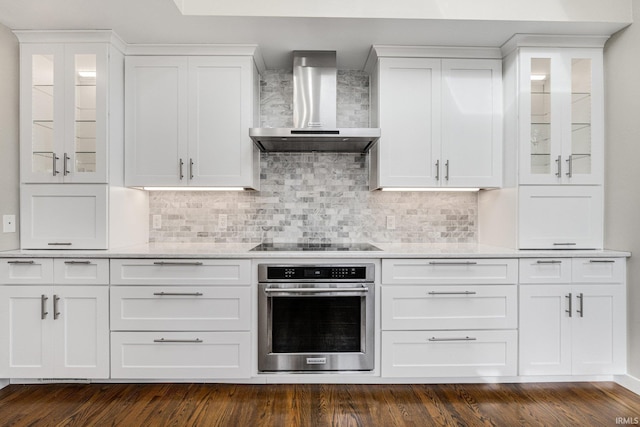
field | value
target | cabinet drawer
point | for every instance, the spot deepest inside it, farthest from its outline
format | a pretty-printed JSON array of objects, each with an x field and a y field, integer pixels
[
  {"x": 599, "y": 270},
  {"x": 449, "y": 307},
  {"x": 180, "y": 355},
  {"x": 180, "y": 272},
  {"x": 449, "y": 353},
  {"x": 26, "y": 271},
  {"x": 180, "y": 308},
  {"x": 449, "y": 271},
  {"x": 545, "y": 270},
  {"x": 69, "y": 271}
]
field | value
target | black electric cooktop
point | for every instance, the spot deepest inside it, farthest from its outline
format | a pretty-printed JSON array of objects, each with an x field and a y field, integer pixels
[{"x": 319, "y": 247}]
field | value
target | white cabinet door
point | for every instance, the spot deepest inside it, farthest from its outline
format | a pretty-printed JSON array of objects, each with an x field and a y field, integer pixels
[
  {"x": 449, "y": 271},
  {"x": 63, "y": 112},
  {"x": 561, "y": 116},
  {"x": 220, "y": 112},
  {"x": 81, "y": 330},
  {"x": 25, "y": 271},
  {"x": 545, "y": 329},
  {"x": 599, "y": 330},
  {"x": 471, "y": 123},
  {"x": 561, "y": 217},
  {"x": 26, "y": 336},
  {"x": 67, "y": 216},
  {"x": 409, "y": 98},
  {"x": 156, "y": 121}
]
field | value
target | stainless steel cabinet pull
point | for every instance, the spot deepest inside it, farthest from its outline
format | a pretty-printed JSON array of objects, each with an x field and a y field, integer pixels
[
  {"x": 21, "y": 262},
  {"x": 77, "y": 262},
  {"x": 559, "y": 165},
  {"x": 190, "y": 168},
  {"x": 581, "y": 298},
  {"x": 564, "y": 244},
  {"x": 452, "y": 263},
  {"x": 182, "y": 294},
  {"x": 554, "y": 261},
  {"x": 323, "y": 290},
  {"x": 55, "y": 165},
  {"x": 43, "y": 307},
  {"x": 453, "y": 293},
  {"x": 56, "y": 313},
  {"x": 176, "y": 263},
  {"x": 59, "y": 244},
  {"x": 197, "y": 340},
  {"x": 452, "y": 339},
  {"x": 437, "y": 170},
  {"x": 65, "y": 164},
  {"x": 602, "y": 261},
  {"x": 446, "y": 170},
  {"x": 570, "y": 167},
  {"x": 181, "y": 166},
  {"x": 570, "y": 309}
]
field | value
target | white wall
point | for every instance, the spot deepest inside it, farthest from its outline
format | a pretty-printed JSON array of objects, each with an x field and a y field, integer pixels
[
  {"x": 622, "y": 157},
  {"x": 9, "y": 135}
]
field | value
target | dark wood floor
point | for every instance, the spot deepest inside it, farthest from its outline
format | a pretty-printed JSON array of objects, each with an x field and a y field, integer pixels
[{"x": 545, "y": 404}]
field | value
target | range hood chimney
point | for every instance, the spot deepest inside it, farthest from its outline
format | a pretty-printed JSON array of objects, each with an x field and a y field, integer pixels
[{"x": 314, "y": 112}]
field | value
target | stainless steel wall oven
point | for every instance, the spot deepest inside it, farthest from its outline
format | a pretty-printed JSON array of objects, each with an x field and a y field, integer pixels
[{"x": 316, "y": 317}]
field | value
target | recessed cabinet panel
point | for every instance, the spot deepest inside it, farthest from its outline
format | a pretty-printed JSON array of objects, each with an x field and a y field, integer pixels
[
  {"x": 561, "y": 217},
  {"x": 449, "y": 271},
  {"x": 180, "y": 272},
  {"x": 81, "y": 271},
  {"x": 545, "y": 270},
  {"x": 63, "y": 216},
  {"x": 26, "y": 271},
  {"x": 599, "y": 270}
]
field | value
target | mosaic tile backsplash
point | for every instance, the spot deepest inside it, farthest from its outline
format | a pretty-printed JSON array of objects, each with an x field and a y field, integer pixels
[{"x": 314, "y": 197}]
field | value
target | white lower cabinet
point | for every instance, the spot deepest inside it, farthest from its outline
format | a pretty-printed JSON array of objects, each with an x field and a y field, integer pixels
[
  {"x": 180, "y": 355},
  {"x": 575, "y": 327},
  {"x": 54, "y": 332},
  {"x": 449, "y": 318},
  {"x": 459, "y": 353}
]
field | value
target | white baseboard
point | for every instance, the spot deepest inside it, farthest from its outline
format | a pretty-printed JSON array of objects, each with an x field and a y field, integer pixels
[
  {"x": 4, "y": 383},
  {"x": 628, "y": 382}
]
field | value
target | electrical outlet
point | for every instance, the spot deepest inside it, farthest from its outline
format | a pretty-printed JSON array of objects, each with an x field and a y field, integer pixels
[
  {"x": 391, "y": 222},
  {"x": 8, "y": 223},
  {"x": 222, "y": 221},
  {"x": 157, "y": 222}
]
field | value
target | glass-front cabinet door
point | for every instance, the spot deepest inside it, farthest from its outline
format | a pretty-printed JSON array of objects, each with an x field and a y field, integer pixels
[
  {"x": 561, "y": 116},
  {"x": 63, "y": 113}
]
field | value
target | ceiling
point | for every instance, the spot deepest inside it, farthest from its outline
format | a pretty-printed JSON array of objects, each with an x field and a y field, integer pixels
[{"x": 160, "y": 21}]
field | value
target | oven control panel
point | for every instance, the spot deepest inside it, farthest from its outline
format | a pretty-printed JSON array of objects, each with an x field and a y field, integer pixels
[{"x": 316, "y": 272}]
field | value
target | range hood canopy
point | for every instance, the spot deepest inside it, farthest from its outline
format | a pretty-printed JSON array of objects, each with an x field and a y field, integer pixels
[{"x": 314, "y": 112}]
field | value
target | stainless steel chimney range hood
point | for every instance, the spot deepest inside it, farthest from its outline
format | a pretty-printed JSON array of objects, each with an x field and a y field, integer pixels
[{"x": 314, "y": 112}]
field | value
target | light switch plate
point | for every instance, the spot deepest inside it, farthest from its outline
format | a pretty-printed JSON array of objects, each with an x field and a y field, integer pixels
[
  {"x": 157, "y": 222},
  {"x": 391, "y": 222},
  {"x": 8, "y": 223},
  {"x": 222, "y": 221}
]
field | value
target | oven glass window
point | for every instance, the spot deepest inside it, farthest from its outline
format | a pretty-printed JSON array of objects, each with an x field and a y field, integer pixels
[{"x": 316, "y": 324}]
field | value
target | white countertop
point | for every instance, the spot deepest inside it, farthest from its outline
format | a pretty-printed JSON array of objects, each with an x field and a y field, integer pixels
[{"x": 242, "y": 250}]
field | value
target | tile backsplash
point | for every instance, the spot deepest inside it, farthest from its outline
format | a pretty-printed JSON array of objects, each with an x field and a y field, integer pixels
[{"x": 314, "y": 197}]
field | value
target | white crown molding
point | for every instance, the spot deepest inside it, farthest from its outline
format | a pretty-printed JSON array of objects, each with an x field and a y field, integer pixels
[
  {"x": 70, "y": 36},
  {"x": 551, "y": 41}
]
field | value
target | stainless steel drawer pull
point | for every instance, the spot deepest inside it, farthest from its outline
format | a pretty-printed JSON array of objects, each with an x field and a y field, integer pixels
[
  {"x": 65, "y": 164},
  {"x": 559, "y": 165},
  {"x": 453, "y": 293},
  {"x": 176, "y": 263},
  {"x": 181, "y": 294},
  {"x": 21, "y": 262},
  {"x": 452, "y": 339},
  {"x": 59, "y": 244},
  {"x": 446, "y": 168},
  {"x": 78, "y": 262},
  {"x": 554, "y": 261},
  {"x": 564, "y": 244},
  {"x": 43, "y": 307},
  {"x": 190, "y": 168},
  {"x": 452, "y": 263},
  {"x": 437, "y": 170},
  {"x": 181, "y": 165},
  {"x": 570, "y": 162},
  {"x": 602, "y": 261},
  {"x": 56, "y": 313},
  {"x": 197, "y": 340},
  {"x": 322, "y": 290},
  {"x": 570, "y": 309}
]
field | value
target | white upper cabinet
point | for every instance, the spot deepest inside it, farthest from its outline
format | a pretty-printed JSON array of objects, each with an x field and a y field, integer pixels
[
  {"x": 561, "y": 116},
  {"x": 186, "y": 121},
  {"x": 63, "y": 112},
  {"x": 441, "y": 122}
]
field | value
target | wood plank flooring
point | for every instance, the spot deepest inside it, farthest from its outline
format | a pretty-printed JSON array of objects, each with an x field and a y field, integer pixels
[{"x": 541, "y": 404}]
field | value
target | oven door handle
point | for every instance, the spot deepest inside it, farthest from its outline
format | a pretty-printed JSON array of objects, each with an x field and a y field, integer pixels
[{"x": 314, "y": 290}]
